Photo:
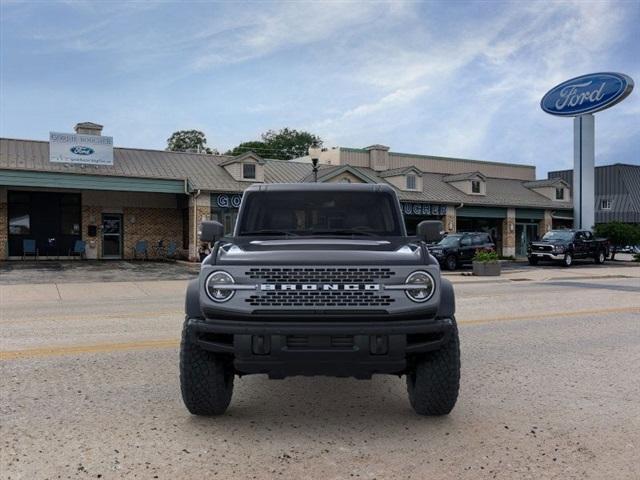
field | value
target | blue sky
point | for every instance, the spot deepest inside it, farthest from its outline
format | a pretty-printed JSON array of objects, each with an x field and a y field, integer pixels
[{"x": 441, "y": 78}]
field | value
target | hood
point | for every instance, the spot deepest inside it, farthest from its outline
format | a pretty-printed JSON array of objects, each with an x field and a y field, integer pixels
[
  {"x": 320, "y": 251},
  {"x": 551, "y": 242}
]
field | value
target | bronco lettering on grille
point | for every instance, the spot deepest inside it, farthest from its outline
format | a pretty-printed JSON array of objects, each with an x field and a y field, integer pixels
[{"x": 322, "y": 286}]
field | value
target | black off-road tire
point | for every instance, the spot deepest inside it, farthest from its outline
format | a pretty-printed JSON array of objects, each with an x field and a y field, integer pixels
[
  {"x": 206, "y": 378},
  {"x": 451, "y": 263},
  {"x": 532, "y": 260},
  {"x": 567, "y": 261},
  {"x": 600, "y": 257},
  {"x": 434, "y": 383}
]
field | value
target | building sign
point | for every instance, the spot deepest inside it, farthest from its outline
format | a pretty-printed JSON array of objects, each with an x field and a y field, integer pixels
[
  {"x": 424, "y": 209},
  {"x": 587, "y": 94},
  {"x": 227, "y": 200},
  {"x": 80, "y": 149}
]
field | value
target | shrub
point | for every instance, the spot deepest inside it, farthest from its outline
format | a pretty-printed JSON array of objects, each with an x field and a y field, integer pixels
[{"x": 483, "y": 256}]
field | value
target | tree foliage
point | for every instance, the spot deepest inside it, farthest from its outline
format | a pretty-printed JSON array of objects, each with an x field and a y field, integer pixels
[
  {"x": 188, "y": 141},
  {"x": 619, "y": 234},
  {"x": 255, "y": 146},
  {"x": 283, "y": 144}
]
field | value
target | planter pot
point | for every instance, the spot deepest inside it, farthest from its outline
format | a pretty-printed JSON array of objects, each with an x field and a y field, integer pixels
[{"x": 486, "y": 269}]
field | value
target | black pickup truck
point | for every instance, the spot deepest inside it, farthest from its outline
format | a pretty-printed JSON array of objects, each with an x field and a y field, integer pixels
[
  {"x": 565, "y": 246},
  {"x": 320, "y": 279}
]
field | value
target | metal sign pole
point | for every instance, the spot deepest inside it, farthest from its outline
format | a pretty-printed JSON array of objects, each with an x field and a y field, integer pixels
[{"x": 583, "y": 171}]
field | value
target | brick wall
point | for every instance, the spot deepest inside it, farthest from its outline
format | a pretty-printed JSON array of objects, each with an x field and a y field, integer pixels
[
  {"x": 509, "y": 233},
  {"x": 152, "y": 225}
]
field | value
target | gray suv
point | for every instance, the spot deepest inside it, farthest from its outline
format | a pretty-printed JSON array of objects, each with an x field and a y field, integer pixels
[{"x": 320, "y": 279}]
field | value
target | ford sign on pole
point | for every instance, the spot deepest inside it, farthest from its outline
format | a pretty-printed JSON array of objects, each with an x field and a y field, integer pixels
[
  {"x": 587, "y": 94},
  {"x": 580, "y": 97},
  {"x": 76, "y": 148}
]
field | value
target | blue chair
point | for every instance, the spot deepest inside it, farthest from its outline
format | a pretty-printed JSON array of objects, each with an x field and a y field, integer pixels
[
  {"x": 29, "y": 248},
  {"x": 172, "y": 248},
  {"x": 142, "y": 249},
  {"x": 79, "y": 248}
]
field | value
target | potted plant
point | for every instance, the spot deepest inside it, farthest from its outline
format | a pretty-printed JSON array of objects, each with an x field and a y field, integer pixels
[{"x": 486, "y": 264}]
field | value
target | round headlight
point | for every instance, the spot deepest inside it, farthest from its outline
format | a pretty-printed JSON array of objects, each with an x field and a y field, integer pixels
[
  {"x": 560, "y": 248},
  {"x": 215, "y": 286},
  {"x": 425, "y": 286}
]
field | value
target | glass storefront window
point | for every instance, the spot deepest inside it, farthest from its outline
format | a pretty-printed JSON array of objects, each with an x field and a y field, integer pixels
[{"x": 19, "y": 220}]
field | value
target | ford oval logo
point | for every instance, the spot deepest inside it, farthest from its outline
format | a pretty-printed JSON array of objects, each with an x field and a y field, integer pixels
[
  {"x": 587, "y": 94},
  {"x": 79, "y": 150}
]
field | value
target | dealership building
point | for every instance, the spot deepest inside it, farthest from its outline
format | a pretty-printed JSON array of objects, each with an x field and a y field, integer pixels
[{"x": 113, "y": 198}]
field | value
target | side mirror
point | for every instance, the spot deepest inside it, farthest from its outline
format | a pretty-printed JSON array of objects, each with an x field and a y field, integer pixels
[
  {"x": 211, "y": 231},
  {"x": 430, "y": 231}
]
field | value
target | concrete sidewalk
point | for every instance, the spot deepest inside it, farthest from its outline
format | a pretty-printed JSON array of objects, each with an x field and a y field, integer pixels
[{"x": 88, "y": 291}]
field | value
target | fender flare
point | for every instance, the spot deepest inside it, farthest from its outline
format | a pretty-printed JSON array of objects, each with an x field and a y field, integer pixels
[
  {"x": 192, "y": 300},
  {"x": 447, "y": 307}
]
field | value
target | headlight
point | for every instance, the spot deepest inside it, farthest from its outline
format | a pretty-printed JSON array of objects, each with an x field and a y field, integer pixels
[
  {"x": 425, "y": 286},
  {"x": 559, "y": 248},
  {"x": 215, "y": 286}
]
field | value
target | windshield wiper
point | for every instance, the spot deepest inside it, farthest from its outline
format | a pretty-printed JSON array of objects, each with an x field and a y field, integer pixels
[
  {"x": 269, "y": 232},
  {"x": 344, "y": 231}
]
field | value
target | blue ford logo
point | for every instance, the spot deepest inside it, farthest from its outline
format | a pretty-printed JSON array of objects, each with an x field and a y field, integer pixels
[
  {"x": 79, "y": 150},
  {"x": 587, "y": 94}
]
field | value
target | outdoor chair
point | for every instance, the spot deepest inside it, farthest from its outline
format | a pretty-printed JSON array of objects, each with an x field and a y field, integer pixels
[
  {"x": 29, "y": 248},
  {"x": 172, "y": 249},
  {"x": 79, "y": 248},
  {"x": 142, "y": 249}
]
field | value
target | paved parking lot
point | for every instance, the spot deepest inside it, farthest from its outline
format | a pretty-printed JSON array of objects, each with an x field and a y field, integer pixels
[{"x": 549, "y": 390}]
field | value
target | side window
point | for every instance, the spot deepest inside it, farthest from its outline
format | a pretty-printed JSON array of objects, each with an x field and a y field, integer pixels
[
  {"x": 478, "y": 239},
  {"x": 465, "y": 242}
]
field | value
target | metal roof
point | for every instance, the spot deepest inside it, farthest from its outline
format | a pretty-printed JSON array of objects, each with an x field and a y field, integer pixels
[
  {"x": 463, "y": 176},
  {"x": 205, "y": 172}
]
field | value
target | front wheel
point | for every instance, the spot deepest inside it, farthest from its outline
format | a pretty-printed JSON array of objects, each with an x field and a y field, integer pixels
[
  {"x": 206, "y": 379},
  {"x": 434, "y": 383},
  {"x": 450, "y": 262},
  {"x": 600, "y": 257},
  {"x": 567, "y": 261}
]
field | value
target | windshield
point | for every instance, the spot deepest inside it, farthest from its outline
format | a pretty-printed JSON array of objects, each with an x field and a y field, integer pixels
[
  {"x": 558, "y": 235},
  {"x": 360, "y": 213},
  {"x": 449, "y": 241}
]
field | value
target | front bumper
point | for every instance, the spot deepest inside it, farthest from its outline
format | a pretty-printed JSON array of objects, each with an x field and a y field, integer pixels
[
  {"x": 546, "y": 255},
  {"x": 344, "y": 349}
]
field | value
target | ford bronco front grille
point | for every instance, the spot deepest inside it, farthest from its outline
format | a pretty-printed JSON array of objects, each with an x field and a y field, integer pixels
[
  {"x": 319, "y": 274},
  {"x": 336, "y": 298}
]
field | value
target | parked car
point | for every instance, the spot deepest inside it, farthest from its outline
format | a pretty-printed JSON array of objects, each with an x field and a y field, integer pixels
[
  {"x": 458, "y": 249},
  {"x": 565, "y": 246}
]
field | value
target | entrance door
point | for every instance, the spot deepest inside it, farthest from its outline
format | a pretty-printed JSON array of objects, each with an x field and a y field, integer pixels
[
  {"x": 525, "y": 233},
  {"x": 111, "y": 235}
]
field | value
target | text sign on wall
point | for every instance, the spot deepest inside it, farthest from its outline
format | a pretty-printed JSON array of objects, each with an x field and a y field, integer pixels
[
  {"x": 423, "y": 209},
  {"x": 80, "y": 149},
  {"x": 227, "y": 201}
]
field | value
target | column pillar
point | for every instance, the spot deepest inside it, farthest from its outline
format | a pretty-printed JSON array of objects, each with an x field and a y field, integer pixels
[
  {"x": 545, "y": 224},
  {"x": 199, "y": 211},
  {"x": 509, "y": 234},
  {"x": 449, "y": 219},
  {"x": 583, "y": 172}
]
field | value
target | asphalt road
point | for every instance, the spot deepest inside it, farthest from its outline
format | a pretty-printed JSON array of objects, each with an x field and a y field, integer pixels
[{"x": 550, "y": 387}]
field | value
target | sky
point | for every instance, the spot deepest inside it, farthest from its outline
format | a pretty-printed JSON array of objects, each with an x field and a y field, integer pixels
[{"x": 451, "y": 78}]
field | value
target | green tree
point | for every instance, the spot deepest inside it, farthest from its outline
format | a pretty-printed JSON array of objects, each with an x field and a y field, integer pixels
[
  {"x": 283, "y": 144},
  {"x": 619, "y": 234},
  {"x": 257, "y": 147},
  {"x": 188, "y": 141}
]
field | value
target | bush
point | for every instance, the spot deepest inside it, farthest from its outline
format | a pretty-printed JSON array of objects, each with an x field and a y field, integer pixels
[
  {"x": 483, "y": 256},
  {"x": 619, "y": 234}
]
